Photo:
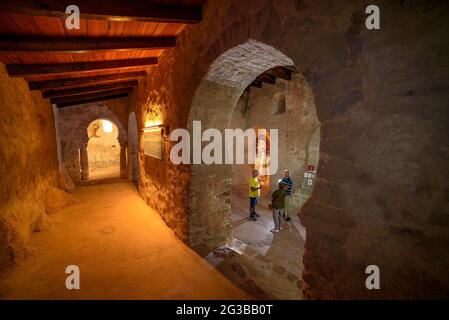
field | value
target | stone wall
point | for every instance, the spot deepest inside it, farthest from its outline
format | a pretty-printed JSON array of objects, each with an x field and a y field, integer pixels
[
  {"x": 162, "y": 185},
  {"x": 241, "y": 172},
  {"x": 381, "y": 97},
  {"x": 133, "y": 150},
  {"x": 73, "y": 123},
  {"x": 28, "y": 164}
]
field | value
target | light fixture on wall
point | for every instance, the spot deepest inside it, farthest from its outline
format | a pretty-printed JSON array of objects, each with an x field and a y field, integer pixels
[
  {"x": 107, "y": 126},
  {"x": 153, "y": 120},
  {"x": 152, "y": 123},
  {"x": 154, "y": 127}
]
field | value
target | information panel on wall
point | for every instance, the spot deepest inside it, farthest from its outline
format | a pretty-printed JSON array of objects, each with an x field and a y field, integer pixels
[{"x": 153, "y": 145}]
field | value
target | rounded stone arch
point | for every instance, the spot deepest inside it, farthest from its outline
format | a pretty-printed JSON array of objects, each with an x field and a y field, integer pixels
[
  {"x": 213, "y": 104},
  {"x": 121, "y": 131},
  {"x": 103, "y": 162},
  {"x": 90, "y": 113},
  {"x": 103, "y": 113}
]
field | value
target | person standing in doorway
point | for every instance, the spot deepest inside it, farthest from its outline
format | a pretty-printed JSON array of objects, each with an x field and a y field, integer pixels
[
  {"x": 277, "y": 204},
  {"x": 254, "y": 194},
  {"x": 288, "y": 182}
]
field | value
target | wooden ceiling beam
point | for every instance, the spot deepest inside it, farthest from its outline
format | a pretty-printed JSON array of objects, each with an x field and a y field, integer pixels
[
  {"x": 257, "y": 83},
  {"x": 113, "y": 10},
  {"x": 84, "y": 81},
  {"x": 82, "y": 45},
  {"x": 92, "y": 95},
  {"x": 77, "y": 102},
  {"x": 280, "y": 72},
  {"x": 96, "y": 88},
  {"x": 270, "y": 75},
  {"x": 23, "y": 70}
]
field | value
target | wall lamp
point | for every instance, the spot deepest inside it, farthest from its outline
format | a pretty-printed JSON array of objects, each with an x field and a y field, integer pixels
[{"x": 165, "y": 130}]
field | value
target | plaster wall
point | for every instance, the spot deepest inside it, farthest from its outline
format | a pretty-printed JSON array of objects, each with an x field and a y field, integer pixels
[{"x": 28, "y": 165}]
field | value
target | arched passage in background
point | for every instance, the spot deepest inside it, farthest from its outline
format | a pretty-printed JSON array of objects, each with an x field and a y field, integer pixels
[
  {"x": 103, "y": 150},
  {"x": 73, "y": 125},
  {"x": 217, "y": 192},
  {"x": 133, "y": 149}
]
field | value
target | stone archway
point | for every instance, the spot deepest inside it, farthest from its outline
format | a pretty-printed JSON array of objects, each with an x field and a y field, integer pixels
[
  {"x": 217, "y": 103},
  {"x": 73, "y": 123},
  {"x": 213, "y": 105},
  {"x": 103, "y": 151}
]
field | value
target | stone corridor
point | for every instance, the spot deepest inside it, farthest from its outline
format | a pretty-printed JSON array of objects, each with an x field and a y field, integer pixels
[{"x": 123, "y": 250}]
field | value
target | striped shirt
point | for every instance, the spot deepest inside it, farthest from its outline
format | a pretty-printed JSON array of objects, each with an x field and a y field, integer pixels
[{"x": 289, "y": 182}]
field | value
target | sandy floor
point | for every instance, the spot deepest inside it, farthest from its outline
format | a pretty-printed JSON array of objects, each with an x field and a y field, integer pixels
[
  {"x": 106, "y": 173},
  {"x": 258, "y": 235},
  {"x": 123, "y": 249}
]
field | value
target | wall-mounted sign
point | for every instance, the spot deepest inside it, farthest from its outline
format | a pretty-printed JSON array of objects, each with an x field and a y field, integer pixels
[
  {"x": 153, "y": 143},
  {"x": 310, "y": 174}
]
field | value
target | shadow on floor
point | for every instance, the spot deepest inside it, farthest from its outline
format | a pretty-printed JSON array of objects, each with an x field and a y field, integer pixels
[{"x": 266, "y": 265}]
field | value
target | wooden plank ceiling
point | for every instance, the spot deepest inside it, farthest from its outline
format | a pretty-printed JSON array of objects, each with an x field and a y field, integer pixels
[
  {"x": 116, "y": 43},
  {"x": 270, "y": 76}
]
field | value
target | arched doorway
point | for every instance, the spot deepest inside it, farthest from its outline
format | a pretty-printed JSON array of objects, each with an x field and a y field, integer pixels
[
  {"x": 133, "y": 149},
  {"x": 219, "y": 193},
  {"x": 103, "y": 150}
]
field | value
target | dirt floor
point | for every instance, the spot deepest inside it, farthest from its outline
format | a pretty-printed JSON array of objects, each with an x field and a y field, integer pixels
[
  {"x": 105, "y": 173},
  {"x": 267, "y": 265},
  {"x": 257, "y": 233},
  {"x": 123, "y": 249},
  {"x": 283, "y": 251}
]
